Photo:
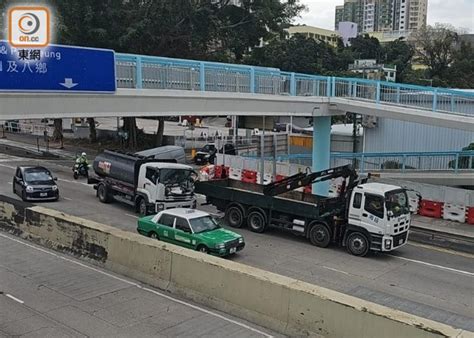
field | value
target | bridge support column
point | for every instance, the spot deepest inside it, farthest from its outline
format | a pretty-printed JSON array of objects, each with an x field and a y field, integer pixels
[{"x": 321, "y": 151}]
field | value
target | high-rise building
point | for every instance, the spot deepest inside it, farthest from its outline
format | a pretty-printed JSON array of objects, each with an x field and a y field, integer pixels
[
  {"x": 383, "y": 15},
  {"x": 351, "y": 11}
]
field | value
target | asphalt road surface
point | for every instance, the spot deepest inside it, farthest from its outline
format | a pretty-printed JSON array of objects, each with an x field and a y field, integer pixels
[
  {"x": 426, "y": 281},
  {"x": 45, "y": 294}
]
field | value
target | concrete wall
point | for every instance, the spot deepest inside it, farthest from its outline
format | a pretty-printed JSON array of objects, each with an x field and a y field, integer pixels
[{"x": 281, "y": 303}]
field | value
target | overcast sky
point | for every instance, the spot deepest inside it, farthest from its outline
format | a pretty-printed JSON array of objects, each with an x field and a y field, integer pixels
[{"x": 459, "y": 13}]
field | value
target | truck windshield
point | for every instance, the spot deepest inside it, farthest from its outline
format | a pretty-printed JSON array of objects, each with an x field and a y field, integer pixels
[
  {"x": 204, "y": 223},
  {"x": 397, "y": 202},
  {"x": 174, "y": 176}
]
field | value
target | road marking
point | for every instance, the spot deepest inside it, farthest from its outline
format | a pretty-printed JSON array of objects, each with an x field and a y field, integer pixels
[
  {"x": 11, "y": 183},
  {"x": 63, "y": 180},
  {"x": 245, "y": 326},
  {"x": 336, "y": 270},
  {"x": 67, "y": 198},
  {"x": 14, "y": 298},
  {"x": 133, "y": 216},
  {"x": 443, "y": 250},
  {"x": 471, "y": 274},
  {"x": 7, "y": 166}
]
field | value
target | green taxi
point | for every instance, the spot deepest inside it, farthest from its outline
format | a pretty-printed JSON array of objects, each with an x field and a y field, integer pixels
[{"x": 193, "y": 229}]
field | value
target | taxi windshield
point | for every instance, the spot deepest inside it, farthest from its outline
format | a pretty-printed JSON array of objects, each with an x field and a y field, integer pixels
[{"x": 203, "y": 224}]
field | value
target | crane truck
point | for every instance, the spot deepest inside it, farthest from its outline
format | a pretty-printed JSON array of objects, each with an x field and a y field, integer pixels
[
  {"x": 149, "y": 185},
  {"x": 363, "y": 217}
]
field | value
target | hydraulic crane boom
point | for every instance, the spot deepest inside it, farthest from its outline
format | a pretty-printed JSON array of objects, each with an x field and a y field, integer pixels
[{"x": 303, "y": 179}]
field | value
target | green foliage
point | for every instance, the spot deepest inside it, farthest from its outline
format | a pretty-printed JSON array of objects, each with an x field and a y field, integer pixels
[
  {"x": 366, "y": 47},
  {"x": 200, "y": 29}
]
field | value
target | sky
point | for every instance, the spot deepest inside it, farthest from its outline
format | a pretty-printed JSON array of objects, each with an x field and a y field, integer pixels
[{"x": 459, "y": 13}]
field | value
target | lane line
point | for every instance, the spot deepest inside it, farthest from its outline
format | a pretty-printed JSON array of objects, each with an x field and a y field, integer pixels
[
  {"x": 14, "y": 298},
  {"x": 198, "y": 308},
  {"x": 336, "y": 270},
  {"x": 133, "y": 216},
  {"x": 67, "y": 198},
  {"x": 7, "y": 166},
  {"x": 10, "y": 183},
  {"x": 471, "y": 274},
  {"x": 63, "y": 180},
  {"x": 443, "y": 250}
]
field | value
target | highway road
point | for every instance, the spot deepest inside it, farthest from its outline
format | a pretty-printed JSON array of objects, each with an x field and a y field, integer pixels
[
  {"x": 426, "y": 281},
  {"x": 45, "y": 294}
]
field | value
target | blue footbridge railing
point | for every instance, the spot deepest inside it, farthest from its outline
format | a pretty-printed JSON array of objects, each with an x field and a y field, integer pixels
[
  {"x": 450, "y": 161},
  {"x": 146, "y": 72}
]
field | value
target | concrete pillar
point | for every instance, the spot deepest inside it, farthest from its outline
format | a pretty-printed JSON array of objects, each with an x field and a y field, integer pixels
[{"x": 321, "y": 151}]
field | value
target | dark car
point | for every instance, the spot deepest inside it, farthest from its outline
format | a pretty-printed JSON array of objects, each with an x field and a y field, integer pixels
[
  {"x": 35, "y": 184},
  {"x": 207, "y": 154}
]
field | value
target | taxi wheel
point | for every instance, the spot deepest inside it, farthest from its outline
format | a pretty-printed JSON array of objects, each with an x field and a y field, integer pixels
[
  {"x": 203, "y": 249},
  {"x": 153, "y": 235}
]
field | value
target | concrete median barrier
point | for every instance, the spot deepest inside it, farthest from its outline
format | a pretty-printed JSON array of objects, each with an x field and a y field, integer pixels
[{"x": 277, "y": 302}]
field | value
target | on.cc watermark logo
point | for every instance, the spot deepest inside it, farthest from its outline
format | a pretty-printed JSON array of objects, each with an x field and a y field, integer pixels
[{"x": 29, "y": 26}]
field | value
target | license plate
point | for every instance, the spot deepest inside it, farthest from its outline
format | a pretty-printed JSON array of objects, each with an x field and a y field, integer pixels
[
  {"x": 43, "y": 194},
  {"x": 233, "y": 250},
  {"x": 400, "y": 242}
]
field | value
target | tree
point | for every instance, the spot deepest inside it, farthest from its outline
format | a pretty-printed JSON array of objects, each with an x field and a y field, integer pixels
[
  {"x": 461, "y": 72},
  {"x": 92, "y": 130},
  {"x": 400, "y": 54},
  {"x": 198, "y": 29},
  {"x": 297, "y": 54},
  {"x": 159, "y": 132},
  {"x": 366, "y": 47},
  {"x": 435, "y": 48}
]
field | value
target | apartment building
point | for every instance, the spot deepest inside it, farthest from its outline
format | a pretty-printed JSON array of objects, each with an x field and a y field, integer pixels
[{"x": 383, "y": 15}]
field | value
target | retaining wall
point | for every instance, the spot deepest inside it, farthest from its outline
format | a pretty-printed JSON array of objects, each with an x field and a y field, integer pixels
[{"x": 277, "y": 302}]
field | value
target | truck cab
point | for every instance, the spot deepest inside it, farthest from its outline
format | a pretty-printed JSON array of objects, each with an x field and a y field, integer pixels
[
  {"x": 378, "y": 218},
  {"x": 164, "y": 186}
]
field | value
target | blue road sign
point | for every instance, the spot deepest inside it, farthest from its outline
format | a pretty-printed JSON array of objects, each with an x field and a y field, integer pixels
[{"x": 57, "y": 68}]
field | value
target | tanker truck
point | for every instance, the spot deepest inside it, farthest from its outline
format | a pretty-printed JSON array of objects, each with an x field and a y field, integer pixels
[{"x": 148, "y": 185}]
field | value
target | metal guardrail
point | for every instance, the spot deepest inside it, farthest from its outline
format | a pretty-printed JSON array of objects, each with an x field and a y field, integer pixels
[
  {"x": 146, "y": 72},
  {"x": 451, "y": 161}
]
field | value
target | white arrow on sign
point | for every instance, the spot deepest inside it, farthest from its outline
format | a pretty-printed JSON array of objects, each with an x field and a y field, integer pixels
[{"x": 68, "y": 83}]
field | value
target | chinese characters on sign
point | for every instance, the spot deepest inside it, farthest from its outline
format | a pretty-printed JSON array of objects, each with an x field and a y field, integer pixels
[{"x": 26, "y": 60}]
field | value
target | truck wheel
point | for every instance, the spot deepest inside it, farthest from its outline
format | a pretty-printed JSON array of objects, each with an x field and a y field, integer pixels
[
  {"x": 234, "y": 217},
  {"x": 320, "y": 236},
  {"x": 357, "y": 244},
  {"x": 142, "y": 207},
  {"x": 256, "y": 221},
  {"x": 102, "y": 193}
]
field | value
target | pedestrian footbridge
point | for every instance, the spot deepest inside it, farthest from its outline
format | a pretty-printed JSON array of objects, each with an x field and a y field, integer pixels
[
  {"x": 150, "y": 86},
  {"x": 158, "y": 86}
]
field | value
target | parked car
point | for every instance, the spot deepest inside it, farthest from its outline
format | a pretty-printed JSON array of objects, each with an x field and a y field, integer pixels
[
  {"x": 207, "y": 154},
  {"x": 193, "y": 229},
  {"x": 12, "y": 126},
  {"x": 35, "y": 184}
]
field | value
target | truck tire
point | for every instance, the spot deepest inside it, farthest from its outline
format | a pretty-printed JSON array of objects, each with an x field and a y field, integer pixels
[
  {"x": 103, "y": 193},
  {"x": 234, "y": 216},
  {"x": 319, "y": 235},
  {"x": 358, "y": 244},
  {"x": 142, "y": 207},
  {"x": 256, "y": 221}
]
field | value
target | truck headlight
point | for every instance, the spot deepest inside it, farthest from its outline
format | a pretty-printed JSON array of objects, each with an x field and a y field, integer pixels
[
  {"x": 220, "y": 246},
  {"x": 29, "y": 188},
  {"x": 54, "y": 187},
  {"x": 388, "y": 244}
]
